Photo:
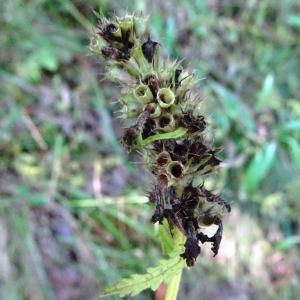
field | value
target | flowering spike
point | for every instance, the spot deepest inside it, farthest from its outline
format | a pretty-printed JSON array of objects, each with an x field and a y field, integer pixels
[{"x": 166, "y": 128}]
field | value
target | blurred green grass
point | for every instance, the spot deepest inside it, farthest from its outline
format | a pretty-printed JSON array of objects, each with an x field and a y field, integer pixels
[{"x": 72, "y": 208}]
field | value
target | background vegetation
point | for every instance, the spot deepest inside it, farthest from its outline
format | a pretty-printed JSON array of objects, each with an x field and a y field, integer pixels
[{"x": 73, "y": 217}]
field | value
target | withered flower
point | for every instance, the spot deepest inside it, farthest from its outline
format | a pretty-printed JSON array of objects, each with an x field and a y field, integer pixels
[{"x": 148, "y": 49}]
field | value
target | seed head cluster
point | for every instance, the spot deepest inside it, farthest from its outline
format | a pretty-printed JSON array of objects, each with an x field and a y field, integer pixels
[{"x": 166, "y": 127}]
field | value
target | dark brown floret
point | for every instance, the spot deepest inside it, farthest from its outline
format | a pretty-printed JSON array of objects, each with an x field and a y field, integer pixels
[
  {"x": 163, "y": 181},
  {"x": 148, "y": 49},
  {"x": 114, "y": 53},
  {"x": 142, "y": 119},
  {"x": 215, "y": 240},
  {"x": 152, "y": 82},
  {"x": 191, "y": 252},
  {"x": 213, "y": 161},
  {"x": 130, "y": 136},
  {"x": 210, "y": 197},
  {"x": 192, "y": 248},
  {"x": 162, "y": 159},
  {"x": 107, "y": 33},
  {"x": 149, "y": 128},
  {"x": 197, "y": 151},
  {"x": 176, "y": 78},
  {"x": 190, "y": 197},
  {"x": 180, "y": 151},
  {"x": 156, "y": 197},
  {"x": 164, "y": 121},
  {"x": 192, "y": 123},
  {"x": 176, "y": 170},
  {"x": 125, "y": 39}
]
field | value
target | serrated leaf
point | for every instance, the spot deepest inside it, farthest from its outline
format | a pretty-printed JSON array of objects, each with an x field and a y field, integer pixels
[
  {"x": 259, "y": 167},
  {"x": 165, "y": 238},
  {"x": 170, "y": 242},
  {"x": 164, "y": 272}
]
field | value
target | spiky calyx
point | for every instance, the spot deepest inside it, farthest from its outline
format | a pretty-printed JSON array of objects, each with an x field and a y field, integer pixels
[{"x": 166, "y": 128}]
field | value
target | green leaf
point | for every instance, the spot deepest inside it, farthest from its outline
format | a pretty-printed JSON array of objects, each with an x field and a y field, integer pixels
[
  {"x": 288, "y": 243},
  {"x": 178, "y": 133},
  {"x": 164, "y": 272},
  {"x": 170, "y": 242},
  {"x": 294, "y": 150},
  {"x": 260, "y": 166},
  {"x": 165, "y": 238}
]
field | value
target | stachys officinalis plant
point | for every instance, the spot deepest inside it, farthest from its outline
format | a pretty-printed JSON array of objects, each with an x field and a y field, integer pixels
[{"x": 166, "y": 127}]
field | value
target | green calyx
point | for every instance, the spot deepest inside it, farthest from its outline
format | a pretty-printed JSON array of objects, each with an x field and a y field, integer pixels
[
  {"x": 165, "y": 97},
  {"x": 143, "y": 94}
]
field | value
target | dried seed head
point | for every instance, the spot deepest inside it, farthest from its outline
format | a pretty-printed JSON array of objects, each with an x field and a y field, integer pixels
[{"x": 165, "y": 97}]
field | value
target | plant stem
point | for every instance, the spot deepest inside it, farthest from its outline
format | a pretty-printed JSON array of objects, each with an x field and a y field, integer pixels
[{"x": 173, "y": 287}]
